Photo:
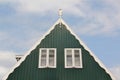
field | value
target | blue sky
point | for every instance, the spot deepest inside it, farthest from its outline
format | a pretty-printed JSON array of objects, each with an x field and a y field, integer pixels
[{"x": 96, "y": 22}]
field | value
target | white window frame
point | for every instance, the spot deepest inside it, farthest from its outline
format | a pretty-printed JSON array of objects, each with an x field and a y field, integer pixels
[
  {"x": 73, "y": 58},
  {"x": 47, "y": 58}
]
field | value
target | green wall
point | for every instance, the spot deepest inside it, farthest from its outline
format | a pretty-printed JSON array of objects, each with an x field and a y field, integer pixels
[{"x": 59, "y": 38}]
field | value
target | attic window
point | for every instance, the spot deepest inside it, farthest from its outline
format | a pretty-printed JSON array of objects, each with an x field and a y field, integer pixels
[
  {"x": 47, "y": 58},
  {"x": 73, "y": 58}
]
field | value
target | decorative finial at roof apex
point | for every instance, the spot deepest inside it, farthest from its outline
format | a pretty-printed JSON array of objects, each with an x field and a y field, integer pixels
[{"x": 60, "y": 13}]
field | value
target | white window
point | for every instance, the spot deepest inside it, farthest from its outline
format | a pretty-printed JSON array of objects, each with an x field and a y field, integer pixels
[
  {"x": 73, "y": 58},
  {"x": 47, "y": 58}
]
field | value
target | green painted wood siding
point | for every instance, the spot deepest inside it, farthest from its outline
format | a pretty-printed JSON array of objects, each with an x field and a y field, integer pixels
[{"x": 59, "y": 38}]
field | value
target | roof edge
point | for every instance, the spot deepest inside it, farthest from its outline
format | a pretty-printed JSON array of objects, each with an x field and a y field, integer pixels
[
  {"x": 91, "y": 53},
  {"x": 60, "y": 20},
  {"x": 28, "y": 52}
]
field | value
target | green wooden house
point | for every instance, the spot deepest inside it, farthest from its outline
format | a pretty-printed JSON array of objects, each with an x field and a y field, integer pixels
[{"x": 59, "y": 55}]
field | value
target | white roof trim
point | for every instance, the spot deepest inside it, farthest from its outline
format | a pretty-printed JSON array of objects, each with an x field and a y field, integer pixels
[
  {"x": 60, "y": 20},
  {"x": 91, "y": 53},
  {"x": 34, "y": 46}
]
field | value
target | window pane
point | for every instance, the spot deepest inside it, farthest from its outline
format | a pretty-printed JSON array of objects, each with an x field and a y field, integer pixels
[
  {"x": 51, "y": 57},
  {"x": 77, "y": 57},
  {"x": 69, "y": 58},
  {"x": 43, "y": 57}
]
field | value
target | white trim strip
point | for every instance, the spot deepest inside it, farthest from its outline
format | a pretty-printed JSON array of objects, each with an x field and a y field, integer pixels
[
  {"x": 28, "y": 53},
  {"x": 91, "y": 53},
  {"x": 81, "y": 42}
]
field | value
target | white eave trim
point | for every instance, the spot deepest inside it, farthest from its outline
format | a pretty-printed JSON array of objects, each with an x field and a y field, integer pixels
[
  {"x": 60, "y": 20},
  {"x": 34, "y": 46},
  {"x": 91, "y": 53}
]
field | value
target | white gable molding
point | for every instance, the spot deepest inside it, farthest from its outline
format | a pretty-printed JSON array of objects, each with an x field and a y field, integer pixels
[
  {"x": 91, "y": 53},
  {"x": 28, "y": 53},
  {"x": 60, "y": 20}
]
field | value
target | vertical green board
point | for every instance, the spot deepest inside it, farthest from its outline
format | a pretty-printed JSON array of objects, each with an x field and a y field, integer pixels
[{"x": 59, "y": 38}]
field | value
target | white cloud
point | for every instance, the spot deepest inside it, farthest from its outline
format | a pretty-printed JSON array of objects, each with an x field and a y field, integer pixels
[
  {"x": 3, "y": 70},
  {"x": 103, "y": 20},
  {"x": 116, "y": 72},
  {"x": 7, "y": 60},
  {"x": 45, "y": 6},
  {"x": 101, "y": 24}
]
